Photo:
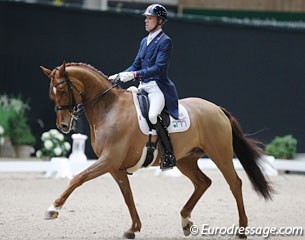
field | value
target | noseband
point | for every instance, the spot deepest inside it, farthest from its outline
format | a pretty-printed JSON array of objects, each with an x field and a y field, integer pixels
[{"x": 77, "y": 110}]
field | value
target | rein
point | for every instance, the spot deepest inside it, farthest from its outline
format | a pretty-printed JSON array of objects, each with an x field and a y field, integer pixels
[
  {"x": 77, "y": 110},
  {"x": 80, "y": 108}
]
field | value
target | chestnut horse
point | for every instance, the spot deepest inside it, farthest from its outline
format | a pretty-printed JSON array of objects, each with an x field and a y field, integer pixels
[{"x": 118, "y": 142}]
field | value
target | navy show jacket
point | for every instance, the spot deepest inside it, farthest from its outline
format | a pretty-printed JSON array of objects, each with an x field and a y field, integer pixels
[{"x": 151, "y": 64}]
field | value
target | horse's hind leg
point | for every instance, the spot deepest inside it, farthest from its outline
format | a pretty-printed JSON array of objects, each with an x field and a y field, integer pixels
[
  {"x": 188, "y": 166},
  {"x": 225, "y": 164},
  {"x": 122, "y": 179}
]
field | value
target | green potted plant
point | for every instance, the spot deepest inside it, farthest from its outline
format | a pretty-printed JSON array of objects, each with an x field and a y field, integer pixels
[
  {"x": 6, "y": 111},
  {"x": 284, "y": 147},
  {"x": 1, "y": 138},
  {"x": 21, "y": 135},
  {"x": 8, "y": 106}
]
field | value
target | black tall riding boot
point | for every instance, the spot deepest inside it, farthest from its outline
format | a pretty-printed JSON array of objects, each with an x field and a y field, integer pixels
[{"x": 168, "y": 160}]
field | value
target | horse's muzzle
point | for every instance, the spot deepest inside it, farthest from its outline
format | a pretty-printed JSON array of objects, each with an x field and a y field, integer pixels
[{"x": 65, "y": 128}]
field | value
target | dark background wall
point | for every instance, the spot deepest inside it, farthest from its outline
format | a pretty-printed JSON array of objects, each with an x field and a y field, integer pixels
[{"x": 257, "y": 73}]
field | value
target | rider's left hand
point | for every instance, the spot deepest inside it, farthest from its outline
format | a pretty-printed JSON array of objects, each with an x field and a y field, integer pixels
[{"x": 126, "y": 76}]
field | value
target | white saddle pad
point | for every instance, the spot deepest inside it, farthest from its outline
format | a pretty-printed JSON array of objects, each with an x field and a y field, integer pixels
[{"x": 176, "y": 125}]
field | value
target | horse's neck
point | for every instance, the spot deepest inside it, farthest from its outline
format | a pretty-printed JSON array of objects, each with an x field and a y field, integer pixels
[
  {"x": 94, "y": 85},
  {"x": 92, "y": 82}
]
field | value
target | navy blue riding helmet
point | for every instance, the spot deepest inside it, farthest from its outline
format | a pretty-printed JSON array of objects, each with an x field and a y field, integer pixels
[{"x": 156, "y": 10}]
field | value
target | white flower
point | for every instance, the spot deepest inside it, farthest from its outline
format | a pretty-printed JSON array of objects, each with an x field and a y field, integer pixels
[
  {"x": 45, "y": 136},
  {"x": 1, "y": 130},
  {"x": 54, "y": 144},
  {"x": 67, "y": 146},
  {"x": 4, "y": 101},
  {"x": 57, "y": 151},
  {"x": 39, "y": 154},
  {"x": 54, "y": 132},
  {"x": 18, "y": 104},
  {"x": 48, "y": 144},
  {"x": 60, "y": 137}
]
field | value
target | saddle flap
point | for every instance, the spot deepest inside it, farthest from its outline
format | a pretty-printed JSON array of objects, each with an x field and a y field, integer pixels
[
  {"x": 143, "y": 102},
  {"x": 176, "y": 125},
  {"x": 144, "y": 106}
]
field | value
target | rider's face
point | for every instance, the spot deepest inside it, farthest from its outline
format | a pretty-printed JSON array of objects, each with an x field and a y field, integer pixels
[{"x": 150, "y": 23}]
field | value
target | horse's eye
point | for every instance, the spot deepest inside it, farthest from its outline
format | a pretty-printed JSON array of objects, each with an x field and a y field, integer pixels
[{"x": 62, "y": 91}]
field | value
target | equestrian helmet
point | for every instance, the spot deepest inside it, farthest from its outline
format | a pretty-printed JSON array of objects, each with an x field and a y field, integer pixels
[{"x": 156, "y": 10}]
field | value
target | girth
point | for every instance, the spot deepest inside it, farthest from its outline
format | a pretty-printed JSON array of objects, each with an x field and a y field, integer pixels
[{"x": 144, "y": 106}]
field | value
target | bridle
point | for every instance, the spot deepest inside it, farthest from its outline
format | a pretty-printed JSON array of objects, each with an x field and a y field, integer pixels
[{"x": 76, "y": 110}]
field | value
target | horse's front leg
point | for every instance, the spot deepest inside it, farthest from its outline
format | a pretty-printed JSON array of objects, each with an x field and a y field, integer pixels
[
  {"x": 122, "y": 179},
  {"x": 100, "y": 167}
]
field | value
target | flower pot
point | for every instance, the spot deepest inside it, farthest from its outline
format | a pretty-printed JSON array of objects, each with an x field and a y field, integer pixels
[
  {"x": 23, "y": 151},
  {"x": 6, "y": 149}
]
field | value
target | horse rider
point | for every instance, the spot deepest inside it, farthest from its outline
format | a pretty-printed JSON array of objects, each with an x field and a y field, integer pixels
[{"x": 150, "y": 67}]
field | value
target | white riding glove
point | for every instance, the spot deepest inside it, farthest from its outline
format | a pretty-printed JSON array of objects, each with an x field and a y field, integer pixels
[
  {"x": 113, "y": 77},
  {"x": 126, "y": 76}
]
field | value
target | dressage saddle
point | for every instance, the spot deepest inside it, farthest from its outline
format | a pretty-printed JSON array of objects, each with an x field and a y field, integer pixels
[{"x": 168, "y": 160}]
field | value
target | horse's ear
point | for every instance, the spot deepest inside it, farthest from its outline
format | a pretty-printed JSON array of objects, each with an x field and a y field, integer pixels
[
  {"x": 62, "y": 69},
  {"x": 46, "y": 71}
]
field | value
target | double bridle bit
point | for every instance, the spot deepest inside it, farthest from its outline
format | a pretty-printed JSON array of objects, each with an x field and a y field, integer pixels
[{"x": 77, "y": 110}]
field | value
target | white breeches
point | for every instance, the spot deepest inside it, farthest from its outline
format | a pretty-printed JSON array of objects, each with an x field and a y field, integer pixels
[{"x": 156, "y": 99}]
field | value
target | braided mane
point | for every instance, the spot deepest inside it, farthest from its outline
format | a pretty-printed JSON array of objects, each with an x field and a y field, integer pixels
[
  {"x": 90, "y": 67},
  {"x": 85, "y": 65}
]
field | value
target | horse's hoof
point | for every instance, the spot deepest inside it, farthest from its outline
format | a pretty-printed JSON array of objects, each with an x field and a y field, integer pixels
[
  {"x": 187, "y": 229},
  {"x": 242, "y": 236},
  {"x": 50, "y": 215},
  {"x": 129, "y": 235}
]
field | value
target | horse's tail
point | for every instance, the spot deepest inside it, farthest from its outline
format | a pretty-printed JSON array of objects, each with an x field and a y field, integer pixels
[{"x": 248, "y": 152}]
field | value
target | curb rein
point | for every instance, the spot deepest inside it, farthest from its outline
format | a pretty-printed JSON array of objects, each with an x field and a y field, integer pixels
[{"x": 77, "y": 110}]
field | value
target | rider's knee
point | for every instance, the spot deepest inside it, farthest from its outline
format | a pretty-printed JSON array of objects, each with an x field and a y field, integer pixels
[{"x": 153, "y": 118}]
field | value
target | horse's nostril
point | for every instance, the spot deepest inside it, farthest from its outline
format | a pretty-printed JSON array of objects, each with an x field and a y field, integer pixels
[{"x": 63, "y": 126}]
